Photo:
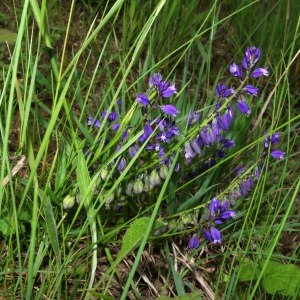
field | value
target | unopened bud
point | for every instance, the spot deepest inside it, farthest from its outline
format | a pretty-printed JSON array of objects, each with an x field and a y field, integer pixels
[{"x": 68, "y": 202}]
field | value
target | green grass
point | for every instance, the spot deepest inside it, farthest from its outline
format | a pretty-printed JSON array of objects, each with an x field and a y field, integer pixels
[{"x": 64, "y": 66}]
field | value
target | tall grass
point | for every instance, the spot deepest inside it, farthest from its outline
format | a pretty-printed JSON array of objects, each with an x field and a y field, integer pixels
[{"x": 67, "y": 234}]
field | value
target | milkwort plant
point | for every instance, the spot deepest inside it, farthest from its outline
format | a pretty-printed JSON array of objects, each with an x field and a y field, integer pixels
[{"x": 203, "y": 142}]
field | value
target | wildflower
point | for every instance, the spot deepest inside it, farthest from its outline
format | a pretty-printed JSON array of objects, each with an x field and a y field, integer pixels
[
  {"x": 193, "y": 117},
  {"x": 259, "y": 72},
  {"x": 155, "y": 79},
  {"x": 133, "y": 150},
  {"x": 224, "y": 120},
  {"x": 251, "y": 90},
  {"x": 194, "y": 242},
  {"x": 214, "y": 206},
  {"x": 164, "y": 88},
  {"x": 222, "y": 91},
  {"x": 235, "y": 70},
  {"x": 113, "y": 116},
  {"x": 227, "y": 143},
  {"x": 196, "y": 146},
  {"x": 115, "y": 126},
  {"x": 243, "y": 107},
  {"x": 147, "y": 132},
  {"x": 143, "y": 99},
  {"x": 277, "y": 154},
  {"x": 225, "y": 215},
  {"x": 252, "y": 55},
  {"x": 93, "y": 122},
  {"x": 213, "y": 235},
  {"x": 122, "y": 165},
  {"x": 188, "y": 151},
  {"x": 169, "y": 109}
]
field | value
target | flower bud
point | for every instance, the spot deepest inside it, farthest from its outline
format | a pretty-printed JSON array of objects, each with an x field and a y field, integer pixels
[
  {"x": 154, "y": 178},
  {"x": 138, "y": 187},
  {"x": 68, "y": 202}
]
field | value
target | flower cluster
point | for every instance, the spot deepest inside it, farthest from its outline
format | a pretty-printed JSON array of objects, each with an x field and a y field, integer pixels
[
  {"x": 219, "y": 210},
  {"x": 205, "y": 142}
]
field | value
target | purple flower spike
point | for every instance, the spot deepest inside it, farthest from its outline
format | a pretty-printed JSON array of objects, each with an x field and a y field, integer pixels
[
  {"x": 243, "y": 107},
  {"x": 169, "y": 109},
  {"x": 235, "y": 70},
  {"x": 260, "y": 72},
  {"x": 251, "y": 90},
  {"x": 143, "y": 99},
  {"x": 194, "y": 242},
  {"x": 277, "y": 154}
]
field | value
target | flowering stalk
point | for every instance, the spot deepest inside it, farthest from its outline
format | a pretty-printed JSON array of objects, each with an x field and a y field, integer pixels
[{"x": 204, "y": 142}]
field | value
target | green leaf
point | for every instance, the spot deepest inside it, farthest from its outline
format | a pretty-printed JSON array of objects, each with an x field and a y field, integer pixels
[
  {"x": 282, "y": 279},
  {"x": 3, "y": 227},
  {"x": 7, "y": 36},
  {"x": 248, "y": 270},
  {"x": 83, "y": 177},
  {"x": 196, "y": 295},
  {"x": 51, "y": 226},
  {"x": 133, "y": 236}
]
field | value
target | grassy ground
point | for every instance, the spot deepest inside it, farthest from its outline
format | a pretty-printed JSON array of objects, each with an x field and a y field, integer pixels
[{"x": 75, "y": 226}]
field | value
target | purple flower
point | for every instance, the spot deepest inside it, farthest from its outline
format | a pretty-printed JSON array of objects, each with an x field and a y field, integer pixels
[
  {"x": 155, "y": 79},
  {"x": 115, "y": 126},
  {"x": 133, "y": 150},
  {"x": 147, "y": 132},
  {"x": 243, "y": 107},
  {"x": 93, "y": 122},
  {"x": 277, "y": 154},
  {"x": 259, "y": 72},
  {"x": 235, "y": 70},
  {"x": 143, "y": 99},
  {"x": 122, "y": 165},
  {"x": 113, "y": 116},
  {"x": 251, "y": 90},
  {"x": 246, "y": 185},
  {"x": 275, "y": 138},
  {"x": 227, "y": 143},
  {"x": 188, "y": 152},
  {"x": 196, "y": 146},
  {"x": 222, "y": 91},
  {"x": 169, "y": 109},
  {"x": 194, "y": 242},
  {"x": 193, "y": 117},
  {"x": 239, "y": 170},
  {"x": 213, "y": 235},
  {"x": 252, "y": 55},
  {"x": 164, "y": 88},
  {"x": 225, "y": 215},
  {"x": 214, "y": 206}
]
